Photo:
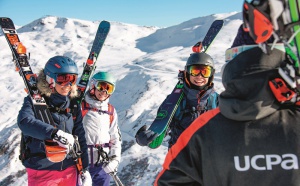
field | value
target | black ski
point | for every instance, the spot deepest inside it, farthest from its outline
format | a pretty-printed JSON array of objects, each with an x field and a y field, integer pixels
[{"x": 90, "y": 65}]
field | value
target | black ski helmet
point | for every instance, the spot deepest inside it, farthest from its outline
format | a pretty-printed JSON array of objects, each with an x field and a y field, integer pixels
[
  {"x": 59, "y": 65},
  {"x": 200, "y": 59}
]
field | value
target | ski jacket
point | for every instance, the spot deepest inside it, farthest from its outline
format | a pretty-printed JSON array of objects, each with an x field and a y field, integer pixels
[
  {"x": 35, "y": 132},
  {"x": 193, "y": 104},
  {"x": 100, "y": 131},
  {"x": 251, "y": 139}
]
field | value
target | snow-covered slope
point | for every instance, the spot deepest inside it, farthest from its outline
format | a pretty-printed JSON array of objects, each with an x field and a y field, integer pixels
[{"x": 145, "y": 61}]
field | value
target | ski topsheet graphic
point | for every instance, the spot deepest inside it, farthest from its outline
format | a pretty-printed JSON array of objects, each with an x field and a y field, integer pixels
[
  {"x": 90, "y": 65},
  {"x": 170, "y": 105}
]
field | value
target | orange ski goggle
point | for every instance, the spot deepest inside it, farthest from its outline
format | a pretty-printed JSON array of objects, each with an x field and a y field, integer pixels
[
  {"x": 64, "y": 79},
  {"x": 104, "y": 86},
  {"x": 195, "y": 70}
]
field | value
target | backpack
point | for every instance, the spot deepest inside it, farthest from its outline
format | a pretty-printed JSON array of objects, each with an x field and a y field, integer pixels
[
  {"x": 86, "y": 107},
  {"x": 212, "y": 102}
]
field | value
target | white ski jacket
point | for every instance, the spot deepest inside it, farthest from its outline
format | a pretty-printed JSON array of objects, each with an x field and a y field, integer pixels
[{"x": 99, "y": 130}]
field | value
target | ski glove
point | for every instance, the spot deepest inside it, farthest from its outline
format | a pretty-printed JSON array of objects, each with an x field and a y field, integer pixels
[
  {"x": 85, "y": 179},
  {"x": 64, "y": 139},
  {"x": 111, "y": 167},
  {"x": 143, "y": 137}
]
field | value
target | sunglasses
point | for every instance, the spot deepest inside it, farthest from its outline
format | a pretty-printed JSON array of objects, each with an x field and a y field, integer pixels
[
  {"x": 195, "y": 70},
  {"x": 104, "y": 86},
  {"x": 64, "y": 79}
]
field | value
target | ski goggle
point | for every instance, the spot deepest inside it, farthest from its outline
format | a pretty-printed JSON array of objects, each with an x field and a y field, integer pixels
[
  {"x": 195, "y": 70},
  {"x": 64, "y": 79},
  {"x": 104, "y": 86}
]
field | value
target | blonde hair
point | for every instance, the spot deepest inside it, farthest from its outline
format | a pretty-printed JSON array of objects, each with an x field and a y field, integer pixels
[{"x": 44, "y": 88}]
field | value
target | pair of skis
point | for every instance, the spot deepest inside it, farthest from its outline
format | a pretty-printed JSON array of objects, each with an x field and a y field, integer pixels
[
  {"x": 54, "y": 152},
  {"x": 167, "y": 110}
]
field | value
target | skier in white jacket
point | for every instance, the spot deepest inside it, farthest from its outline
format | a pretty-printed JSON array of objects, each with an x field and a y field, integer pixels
[{"x": 102, "y": 132}]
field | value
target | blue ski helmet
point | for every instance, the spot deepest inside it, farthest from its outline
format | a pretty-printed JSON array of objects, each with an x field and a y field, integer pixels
[
  {"x": 103, "y": 77},
  {"x": 59, "y": 65}
]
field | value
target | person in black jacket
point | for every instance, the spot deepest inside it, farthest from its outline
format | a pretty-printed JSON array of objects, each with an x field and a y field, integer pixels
[
  {"x": 57, "y": 83},
  {"x": 199, "y": 97},
  {"x": 252, "y": 138}
]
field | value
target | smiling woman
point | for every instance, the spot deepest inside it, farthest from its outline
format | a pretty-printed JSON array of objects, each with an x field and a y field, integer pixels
[
  {"x": 102, "y": 130},
  {"x": 44, "y": 143}
]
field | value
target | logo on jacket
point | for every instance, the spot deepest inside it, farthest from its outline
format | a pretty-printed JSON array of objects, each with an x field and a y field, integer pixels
[{"x": 266, "y": 162}]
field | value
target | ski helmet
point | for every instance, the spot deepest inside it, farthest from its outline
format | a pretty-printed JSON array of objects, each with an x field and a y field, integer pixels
[
  {"x": 199, "y": 59},
  {"x": 262, "y": 17},
  {"x": 103, "y": 77},
  {"x": 59, "y": 65}
]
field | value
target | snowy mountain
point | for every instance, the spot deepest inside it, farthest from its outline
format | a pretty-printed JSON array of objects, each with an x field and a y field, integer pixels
[{"x": 145, "y": 61}]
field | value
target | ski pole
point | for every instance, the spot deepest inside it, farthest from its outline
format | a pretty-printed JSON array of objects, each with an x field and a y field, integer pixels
[
  {"x": 116, "y": 179},
  {"x": 76, "y": 155},
  {"x": 105, "y": 158}
]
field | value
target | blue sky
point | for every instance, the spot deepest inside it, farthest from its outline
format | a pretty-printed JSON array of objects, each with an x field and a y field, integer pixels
[{"x": 162, "y": 13}]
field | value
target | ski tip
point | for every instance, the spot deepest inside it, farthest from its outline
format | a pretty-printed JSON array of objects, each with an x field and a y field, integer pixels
[
  {"x": 212, "y": 32},
  {"x": 104, "y": 23},
  {"x": 6, "y": 23}
]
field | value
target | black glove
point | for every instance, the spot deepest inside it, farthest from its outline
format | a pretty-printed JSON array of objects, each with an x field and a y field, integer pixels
[{"x": 143, "y": 137}]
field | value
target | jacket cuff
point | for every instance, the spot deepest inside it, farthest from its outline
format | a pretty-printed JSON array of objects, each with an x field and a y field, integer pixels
[{"x": 53, "y": 133}]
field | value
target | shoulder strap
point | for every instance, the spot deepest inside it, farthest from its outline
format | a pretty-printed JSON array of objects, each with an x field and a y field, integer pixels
[
  {"x": 180, "y": 110},
  {"x": 111, "y": 112},
  {"x": 85, "y": 107},
  {"x": 73, "y": 108},
  {"x": 213, "y": 101}
]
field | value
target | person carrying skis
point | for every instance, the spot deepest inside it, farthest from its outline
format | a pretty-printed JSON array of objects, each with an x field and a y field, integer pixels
[
  {"x": 103, "y": 135},
  {"x": 57, "y": 83},
  {"x": 199, "y": 97},
  {"x": 253, "y": 138}
]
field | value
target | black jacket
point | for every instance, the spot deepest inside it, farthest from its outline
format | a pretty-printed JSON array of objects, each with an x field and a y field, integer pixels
[
  {"x": 35, "y": 132},
  {"x": 193, "y": 104},
  {"x": 250, "y": 140}
]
